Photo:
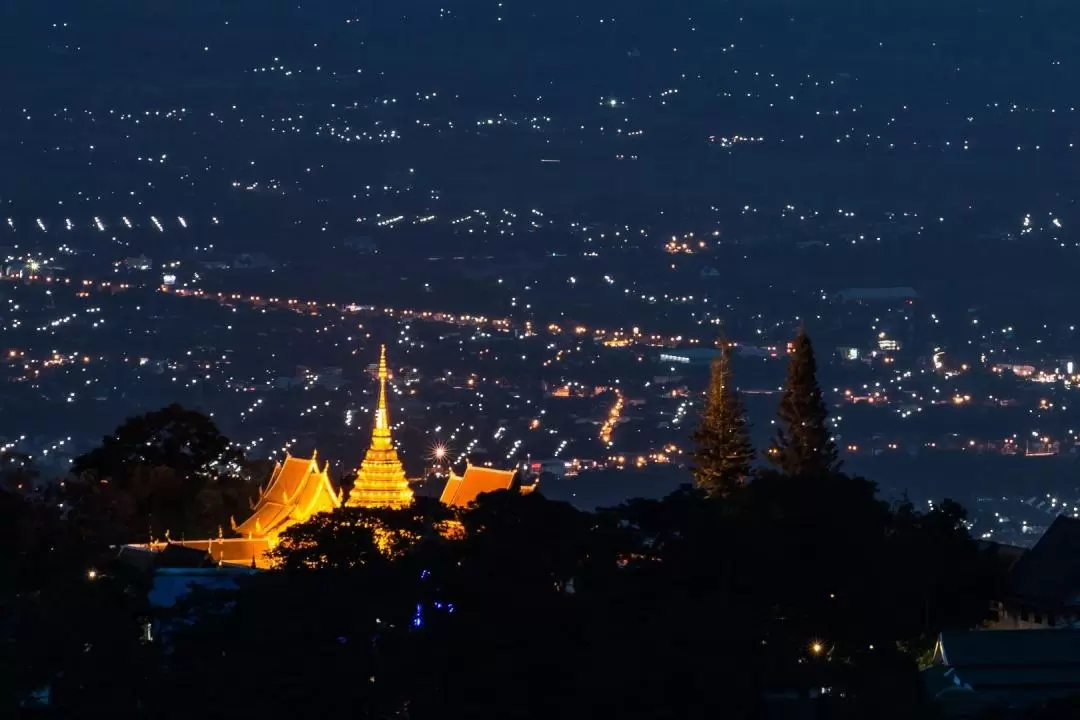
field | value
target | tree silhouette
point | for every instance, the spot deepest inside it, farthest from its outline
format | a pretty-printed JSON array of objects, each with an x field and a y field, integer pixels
[
  {"x": 185, "y": 441},
  {"x": 723, "y": 452},
  {"x": 179, "y": 473},
  {"x": 521, "y": 607},
  {"x": 803, "y": 444},
  {"x": 70, "y": 632}
]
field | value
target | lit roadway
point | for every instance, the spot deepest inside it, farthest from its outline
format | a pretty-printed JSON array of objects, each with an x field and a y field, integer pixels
[{"x": 617, "y": 338}]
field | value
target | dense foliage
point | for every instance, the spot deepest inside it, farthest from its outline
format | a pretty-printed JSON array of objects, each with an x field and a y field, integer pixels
[
  {"x": 685, "y": 607},
  {"x": 520, "y": 607},
  {"x": 170, "y": 470},
  {"x": 791, "y": 593}
]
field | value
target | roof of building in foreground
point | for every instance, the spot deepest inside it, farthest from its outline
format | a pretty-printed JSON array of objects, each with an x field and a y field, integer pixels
[
  {"x": 207, "y": 554},
  {"x": 298, "y": 489},
  {"x": 463, "y": 489},
  {"x": 1004, "y": 667},
  {"x": 1049, "y": 573}
]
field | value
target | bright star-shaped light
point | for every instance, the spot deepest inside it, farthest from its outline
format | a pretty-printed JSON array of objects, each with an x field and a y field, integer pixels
[{"x": 439, "y": 451}]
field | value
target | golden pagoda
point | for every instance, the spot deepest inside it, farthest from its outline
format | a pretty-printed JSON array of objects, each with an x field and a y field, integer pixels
[{"x": 381, "y": 482}]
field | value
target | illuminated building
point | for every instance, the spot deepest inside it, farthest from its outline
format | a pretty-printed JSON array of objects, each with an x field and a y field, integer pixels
[
  {"x": 298, "y": 489},
  {"x": 461, "y": 490},
  {"x": 381, "y": 482}
]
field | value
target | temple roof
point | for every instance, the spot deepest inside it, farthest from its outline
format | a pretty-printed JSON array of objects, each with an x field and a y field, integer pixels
[
  {"x": 246, "y": 552},
  {"x": 297, "y": 490},
  {"x": 461, "y": 490}
]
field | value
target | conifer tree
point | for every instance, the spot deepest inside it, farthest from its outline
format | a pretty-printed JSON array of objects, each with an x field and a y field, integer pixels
[
  {"x": 723, "y": 451},
  {"x": 803, "y": 443}
]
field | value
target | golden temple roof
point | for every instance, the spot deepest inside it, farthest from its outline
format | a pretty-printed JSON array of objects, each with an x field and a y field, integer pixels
[
  {"x": 298, "y": 489},
  {"x": 381, "y": 482},
  {"x": 246, "y": 552},
  {"x": 236, "y": 551},
  {"x": 461, "y": 490}
]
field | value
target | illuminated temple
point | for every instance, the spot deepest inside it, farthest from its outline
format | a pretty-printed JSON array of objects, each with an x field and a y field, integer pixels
[
  {"x": 381, "y": 482},
  {"x": 463, "y": 489},
  {"x": 298, "y": 489}
]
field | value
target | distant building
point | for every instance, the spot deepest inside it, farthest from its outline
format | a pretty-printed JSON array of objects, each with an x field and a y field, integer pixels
[
  {"x": 689, "y": 356},
  {"x": 554, "y": 466},
  {"x": 849, "y": 353},
  {"x": 139, "y": 262},
  {"x": 1017, "y": 369}
]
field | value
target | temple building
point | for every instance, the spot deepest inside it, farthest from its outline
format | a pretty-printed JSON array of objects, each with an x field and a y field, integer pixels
[
  {"x": 298, "y": 489},
  {"x": 463, "y": 489},
  {"x": 381, "y": 482}
]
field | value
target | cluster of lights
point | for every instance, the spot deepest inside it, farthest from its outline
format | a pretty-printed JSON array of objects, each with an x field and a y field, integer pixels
[{"x": 608, "y": 428}]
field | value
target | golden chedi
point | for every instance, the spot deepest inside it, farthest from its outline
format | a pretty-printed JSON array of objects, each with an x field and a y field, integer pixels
[{"x": 381, "y": 482}]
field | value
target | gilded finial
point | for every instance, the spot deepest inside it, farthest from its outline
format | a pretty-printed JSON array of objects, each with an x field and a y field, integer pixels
[
  {"x": 382, "y": 416},
  {"x": 167, "y": 539}
]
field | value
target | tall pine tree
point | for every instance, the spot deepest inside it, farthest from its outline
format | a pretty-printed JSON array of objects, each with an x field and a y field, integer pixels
[
  {"x": 803, "y": 443},
  {"x": 723, "y": 454}
]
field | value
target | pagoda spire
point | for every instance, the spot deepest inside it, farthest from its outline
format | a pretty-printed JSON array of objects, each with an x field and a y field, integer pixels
[
  {"x": 382, "y": 414},
  {"x": 381, "y": 482}
]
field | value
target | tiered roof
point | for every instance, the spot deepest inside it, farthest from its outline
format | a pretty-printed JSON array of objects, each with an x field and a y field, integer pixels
[
  {"x": 461, "y": 490},
  {"x": 298, "y": 489},
  {"x": 250, "y": 552},
  {"x": 381, "y": 482}
]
